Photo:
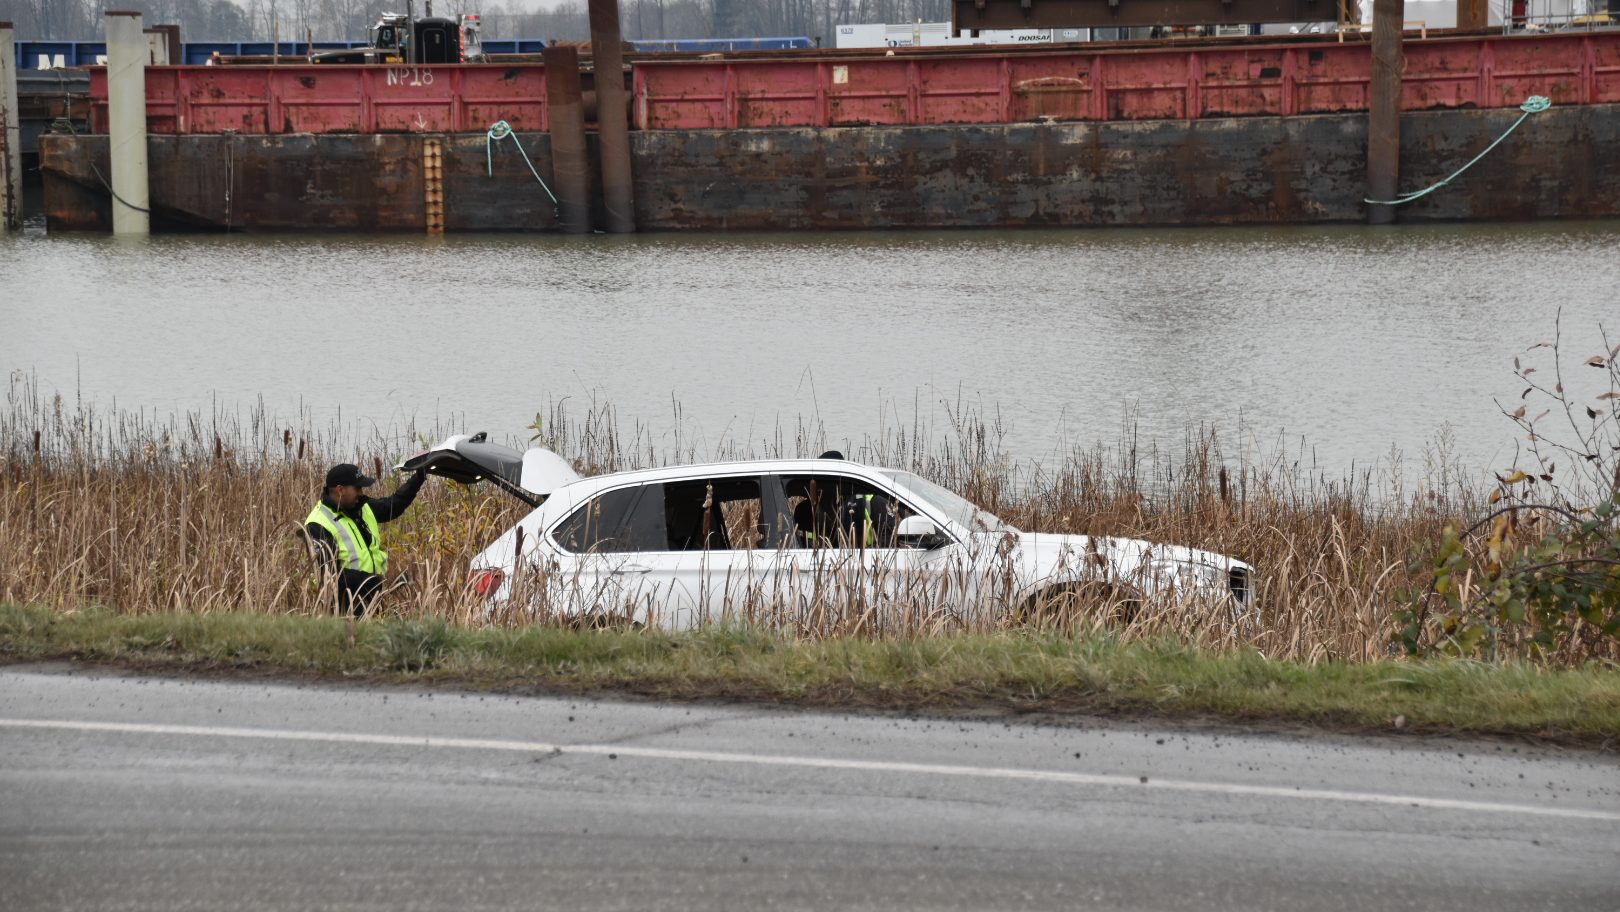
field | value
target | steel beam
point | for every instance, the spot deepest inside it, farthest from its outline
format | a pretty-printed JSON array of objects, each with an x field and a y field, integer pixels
[
  {"x": 127, "y": 54},
  {"x": 570, "y": 168},
  {"x": 1044, "y": 14},
  {"x": 612, "y": 128},
  {"x": 1473, "y": 15},
  {"x": 1384, "y": 114},
  {"x": 10, "y": 136}
]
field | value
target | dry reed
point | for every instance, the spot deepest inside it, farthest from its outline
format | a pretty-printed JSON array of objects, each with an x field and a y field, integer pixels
[{"x": 196, "y": 512}]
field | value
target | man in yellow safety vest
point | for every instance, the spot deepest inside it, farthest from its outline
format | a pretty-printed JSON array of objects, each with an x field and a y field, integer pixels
[{"x": 345, "y": 522}]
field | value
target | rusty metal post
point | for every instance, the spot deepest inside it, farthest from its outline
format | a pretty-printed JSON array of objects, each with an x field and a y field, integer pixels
[
  {"x": 570, "y": 169},
  {"x": 127, "y": 53},
  {"x": 1384, "y": 109},
  {"x": 433, "y": 185},
  {"x": 10, "y": 135},
  {"x": 1473, "y": 15},
  {"x": 612, "y": 129}
]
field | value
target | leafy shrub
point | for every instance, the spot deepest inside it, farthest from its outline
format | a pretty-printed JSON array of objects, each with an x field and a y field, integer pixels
[{"x": 1539, "y": 573}]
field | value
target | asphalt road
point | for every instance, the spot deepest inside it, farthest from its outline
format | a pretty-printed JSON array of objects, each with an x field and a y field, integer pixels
[{"x": 135, "y": 793}]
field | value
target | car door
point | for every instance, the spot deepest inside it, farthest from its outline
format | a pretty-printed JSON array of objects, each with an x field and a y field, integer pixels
[
  {"x": 723, "y": 538},
  {"x": 847, "y": 567},
  {"x": 609, "y": 559},
  {"x": 674, "y": 553},
  {"x": 530, "y": 476}
]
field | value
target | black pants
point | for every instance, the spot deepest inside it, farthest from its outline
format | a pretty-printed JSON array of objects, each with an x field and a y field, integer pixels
[{"x": 357, "y": 591}]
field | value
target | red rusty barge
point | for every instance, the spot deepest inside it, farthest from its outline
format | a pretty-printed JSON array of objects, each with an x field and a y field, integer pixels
[{"x": 1241, "y": 131}]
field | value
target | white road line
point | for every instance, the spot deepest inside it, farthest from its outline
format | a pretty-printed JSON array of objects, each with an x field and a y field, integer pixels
[{"x": 931, "y": 769}]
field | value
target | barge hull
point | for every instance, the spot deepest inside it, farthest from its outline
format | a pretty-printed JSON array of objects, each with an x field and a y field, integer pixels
[{"x": 1210, "y": 171}]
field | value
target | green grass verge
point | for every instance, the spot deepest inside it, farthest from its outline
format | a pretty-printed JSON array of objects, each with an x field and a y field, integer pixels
[{"x": 1007, "y": 672}]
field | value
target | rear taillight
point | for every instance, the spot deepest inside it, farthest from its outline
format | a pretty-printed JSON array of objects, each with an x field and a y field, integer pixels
[{"x": 486, "y": 582}]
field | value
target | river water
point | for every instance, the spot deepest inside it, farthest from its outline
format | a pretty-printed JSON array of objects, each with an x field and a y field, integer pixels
[{"x": 1339, "y": 345}]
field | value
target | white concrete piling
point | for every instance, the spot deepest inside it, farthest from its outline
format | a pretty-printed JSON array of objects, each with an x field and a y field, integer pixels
[
  {"x": 127, "y": 53},
  {"x": 10, "y": 135}
]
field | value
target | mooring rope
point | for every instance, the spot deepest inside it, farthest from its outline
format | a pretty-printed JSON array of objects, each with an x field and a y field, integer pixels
[
  {"x": 502, "y": 130},
  {"x": 1535, "y": 104},
  {"x": 56, "y": 126}
]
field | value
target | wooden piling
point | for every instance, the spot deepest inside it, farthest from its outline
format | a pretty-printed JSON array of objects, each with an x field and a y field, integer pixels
[
  {"x": 10, "y": 135},
  {"x": 570, "y": 168},
  {"x": 612, "y": 128},
  {"x": 1384, "y": 110}
]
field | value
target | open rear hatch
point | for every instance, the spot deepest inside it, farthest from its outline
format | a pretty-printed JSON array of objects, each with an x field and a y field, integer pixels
[{"x": 529, "y": 476}]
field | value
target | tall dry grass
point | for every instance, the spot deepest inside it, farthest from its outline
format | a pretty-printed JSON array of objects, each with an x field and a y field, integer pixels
[{"x": 145, "y": 513}]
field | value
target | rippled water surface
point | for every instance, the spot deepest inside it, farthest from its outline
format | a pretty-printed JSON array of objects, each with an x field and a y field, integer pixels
[{"x": 1346, "y": 341}]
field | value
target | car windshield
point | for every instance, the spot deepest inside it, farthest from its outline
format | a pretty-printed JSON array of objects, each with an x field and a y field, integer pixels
[{"x": 957, "y": 508}]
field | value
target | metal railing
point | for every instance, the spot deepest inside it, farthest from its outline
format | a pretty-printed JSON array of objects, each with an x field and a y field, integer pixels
[{"x": 1557, "y": 15}]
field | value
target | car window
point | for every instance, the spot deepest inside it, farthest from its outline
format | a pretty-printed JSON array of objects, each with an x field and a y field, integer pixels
[
  {"x": 836, "y": 511},
  {"x": 716, "y": 514},
  {"x": 950, "y": 503},
  {"x": 621, "y": 520}
]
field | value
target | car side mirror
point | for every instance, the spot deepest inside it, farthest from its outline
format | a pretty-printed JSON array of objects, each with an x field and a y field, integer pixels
[{"x": 920, "y": 532}]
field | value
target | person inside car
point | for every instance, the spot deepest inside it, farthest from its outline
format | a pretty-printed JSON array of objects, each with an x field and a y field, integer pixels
[{"x": 837, "y": 512}]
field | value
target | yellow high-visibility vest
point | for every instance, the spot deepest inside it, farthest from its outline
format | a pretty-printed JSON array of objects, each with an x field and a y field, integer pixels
[
  {"x": 870, "y": 533},
  {"x": 352, "y": 551}
]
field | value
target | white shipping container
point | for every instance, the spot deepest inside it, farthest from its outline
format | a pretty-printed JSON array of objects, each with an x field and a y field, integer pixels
[
  {"x": 938, "y": 34},
  {"x": 917, "y": 34},
  {"x": 861, "y": 36},
  {"x": 1016, "y": 36}
]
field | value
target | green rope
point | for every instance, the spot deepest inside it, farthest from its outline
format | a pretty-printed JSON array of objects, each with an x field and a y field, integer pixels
[
  {"x": 502, "y": 130},
  {"x": 1535, "y": 104}
]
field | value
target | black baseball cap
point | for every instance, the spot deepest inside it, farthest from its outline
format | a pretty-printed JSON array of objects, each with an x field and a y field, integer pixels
[{"x": 347, "y": 473}]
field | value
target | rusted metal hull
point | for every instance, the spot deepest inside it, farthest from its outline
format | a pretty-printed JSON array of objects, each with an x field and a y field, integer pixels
[
  {"x": 43, "y": 96},
  {"x": 301, "y": 182},
  {"x": 1078, "y": 82},
  {"x": 1073, "y": 82},
  {"x": 1213, "y": 171},
  {"x": 1210, "y": 172},
  {"x": 1241, "y": 133}
]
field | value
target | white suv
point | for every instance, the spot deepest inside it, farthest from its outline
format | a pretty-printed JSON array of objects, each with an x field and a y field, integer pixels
[{"x": 813, "y": 542}]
